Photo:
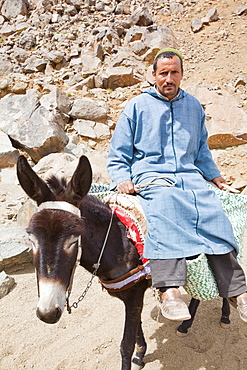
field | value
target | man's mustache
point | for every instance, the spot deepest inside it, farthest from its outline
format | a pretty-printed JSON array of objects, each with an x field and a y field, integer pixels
[{"x": 169, "y": 84}]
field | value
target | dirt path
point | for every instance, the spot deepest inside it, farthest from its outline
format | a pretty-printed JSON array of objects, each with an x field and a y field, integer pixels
[{"x": 89, "y": 338}]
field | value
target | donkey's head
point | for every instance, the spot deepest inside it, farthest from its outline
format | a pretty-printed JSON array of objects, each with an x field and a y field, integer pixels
[{"x": 54, "y": 231}]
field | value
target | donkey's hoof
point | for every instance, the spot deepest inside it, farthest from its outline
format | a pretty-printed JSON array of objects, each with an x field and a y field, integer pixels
[
  {"x": 137, "y": 365},
  {"x": 224, "y": 325},
  {"x": 225, "y": 322},
  {"x": 181, "y": 333}
]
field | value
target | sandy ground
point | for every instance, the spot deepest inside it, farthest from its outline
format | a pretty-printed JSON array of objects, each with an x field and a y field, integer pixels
[{"x": 89, "y": 338}]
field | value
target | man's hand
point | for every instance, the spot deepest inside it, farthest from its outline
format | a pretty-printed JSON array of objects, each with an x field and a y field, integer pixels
[
  {"x": 218, "y": 181},
  {"x": 126, "y": 187}
]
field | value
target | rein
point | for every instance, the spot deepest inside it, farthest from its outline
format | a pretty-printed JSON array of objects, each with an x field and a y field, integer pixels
[
  {"x": 95, "y": 266},
  {"x": 65, "y": 206},
  {"x": 124, "y": 282},
  {"x": 133, "y": 276}
]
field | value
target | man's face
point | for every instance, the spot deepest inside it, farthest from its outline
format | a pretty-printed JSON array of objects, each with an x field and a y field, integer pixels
[{"x": 168, "y": 76}]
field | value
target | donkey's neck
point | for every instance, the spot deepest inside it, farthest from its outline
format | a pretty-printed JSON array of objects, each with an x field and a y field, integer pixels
[{"x": 119, "y": 255}]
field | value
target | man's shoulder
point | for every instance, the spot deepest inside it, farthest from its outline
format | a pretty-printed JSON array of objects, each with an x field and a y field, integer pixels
[{"x": 189, "y": 96}]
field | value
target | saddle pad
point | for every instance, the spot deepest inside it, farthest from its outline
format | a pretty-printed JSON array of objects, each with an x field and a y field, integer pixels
[{"x": 201, "y": 283}]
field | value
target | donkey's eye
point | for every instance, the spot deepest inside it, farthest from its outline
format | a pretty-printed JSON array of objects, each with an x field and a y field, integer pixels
[
  {"x": 70, "y": 243},
  {"x": 34, "y": 243}
]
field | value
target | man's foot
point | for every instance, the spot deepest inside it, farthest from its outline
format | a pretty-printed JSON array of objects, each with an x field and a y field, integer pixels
[
  {"x": 242, "y": 306},
  {"x": 173, "y": 307}
]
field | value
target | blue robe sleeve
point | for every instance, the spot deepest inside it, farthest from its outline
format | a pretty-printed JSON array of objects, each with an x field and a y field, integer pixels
[
  {"x": 204, "y": 160},
  {"x": 121, "y": 151}
]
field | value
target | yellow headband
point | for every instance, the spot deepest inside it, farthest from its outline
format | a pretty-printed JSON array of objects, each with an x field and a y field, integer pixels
[{"x": 169, "y": 49}]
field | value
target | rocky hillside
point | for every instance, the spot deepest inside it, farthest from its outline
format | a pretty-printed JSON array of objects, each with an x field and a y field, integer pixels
[{"x": 68, "y": 67}]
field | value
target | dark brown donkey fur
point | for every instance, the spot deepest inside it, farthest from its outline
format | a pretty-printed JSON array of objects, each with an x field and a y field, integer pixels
[{"x": 55, "y": 234}]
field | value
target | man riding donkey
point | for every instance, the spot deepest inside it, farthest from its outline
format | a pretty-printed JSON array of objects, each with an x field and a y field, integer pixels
[{"x": 159, "y": 151}]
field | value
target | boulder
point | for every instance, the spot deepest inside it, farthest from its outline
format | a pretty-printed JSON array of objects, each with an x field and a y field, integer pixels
[
  {"x": 115, "y": 77},
  {"x": 12, "y": 8},
  {"x": 30, "y": 126},
  {"x": 58, "y": 103},
  {"x": 88, "y": 109},
  {"x": 91, "y": 129},
  {"x": 141, "y": 17},
  {"x": 225, "y": 121},
  {"x": 15, "y": 247},
  {"x": 8, "y": 154}
]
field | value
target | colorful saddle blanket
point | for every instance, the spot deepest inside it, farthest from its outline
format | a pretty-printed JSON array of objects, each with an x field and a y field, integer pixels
[{"x": 201, "y": 283}]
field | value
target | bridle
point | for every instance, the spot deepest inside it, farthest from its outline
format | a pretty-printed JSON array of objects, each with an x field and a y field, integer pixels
[
  {"x": 65, "y": 206},
  {"x": 124, "y": 282}
]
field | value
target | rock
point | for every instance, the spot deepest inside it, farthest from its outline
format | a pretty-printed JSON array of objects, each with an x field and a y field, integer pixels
[
  {"x": 30, "y": 125},
  {"x": 85, "y": 128},
  {"x": 88, "y": 109},
  {"x": 212, "y": 16},
  {"x": 241, "y": 10},
  {"x": 91, "y": 64},
  {"x": 156, "y": 38},
  {"x": 20, "y": 54},
  {"x": 7, "y": 30},
  {"x": 12, "y": 8},
  {"x": 27, "y": 41},
  {"x": 196, "y": 24},
  {"x": 6, "y": 284},
  {"x": 176, "y": 8},
  {"x": 141, "y": 17},
  {"x": 8, "y": 155},
  {"x": 119, "y": 77},
  {"x": 34, "y": 64},
  {"x": 55, "y": 56},
  {"x": 59, "y": 164},
  {"x": 15, "y": 247},
  {"x": 6, "y": 66},
  {"x": 94, "y": 130},
  {"x": 239, "y": 183},
  {"x": 58, "y": 103},
  {"x": 225, "y": 121},
  {"x": 19, "y": 87}
]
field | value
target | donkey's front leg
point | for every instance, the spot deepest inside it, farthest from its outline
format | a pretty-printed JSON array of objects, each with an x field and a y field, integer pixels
[
  {"x": 224, "y": 320},
  {"x": 133, "y": 331},
  {"x": 141, "y": 347},
  {"x": 182, "y": 330}
]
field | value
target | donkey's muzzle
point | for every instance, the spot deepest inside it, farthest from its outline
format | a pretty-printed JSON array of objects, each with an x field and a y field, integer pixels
[{"x": 49, "y": 317}]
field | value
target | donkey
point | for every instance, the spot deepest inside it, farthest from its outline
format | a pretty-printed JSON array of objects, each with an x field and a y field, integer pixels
[{"x": 69, "y": 218}]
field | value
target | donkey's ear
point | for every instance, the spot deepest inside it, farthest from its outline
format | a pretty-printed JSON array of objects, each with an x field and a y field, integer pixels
[
  {"x": 31, "y": 183},
  {"x": 81, "y": 180}
]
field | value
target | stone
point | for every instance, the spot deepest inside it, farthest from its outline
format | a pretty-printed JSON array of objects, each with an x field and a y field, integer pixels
[
  {"x": 141, "y": 17},
  {"x": 8, "y": 154},
  {"x": 30, "y": 125},
  {"x": 196, "y": 24},
  {"x": 225, "y": 121},
  {"x": 55, "y": 56},
  {"x": 241, "y": 10},
  {"x": 176, "y": 8},
  {"x": 15, "y": 246},
  {"x": 6, "y": 284},
  {"x": 88, "y": 109},
  {"x": 119, "y": 77},
  {"x": 59, "y": 104},
  {"x": 212, "y": 15},
  {"x": 6, "y": 66},
  {"x": 12, "y": 8}
]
